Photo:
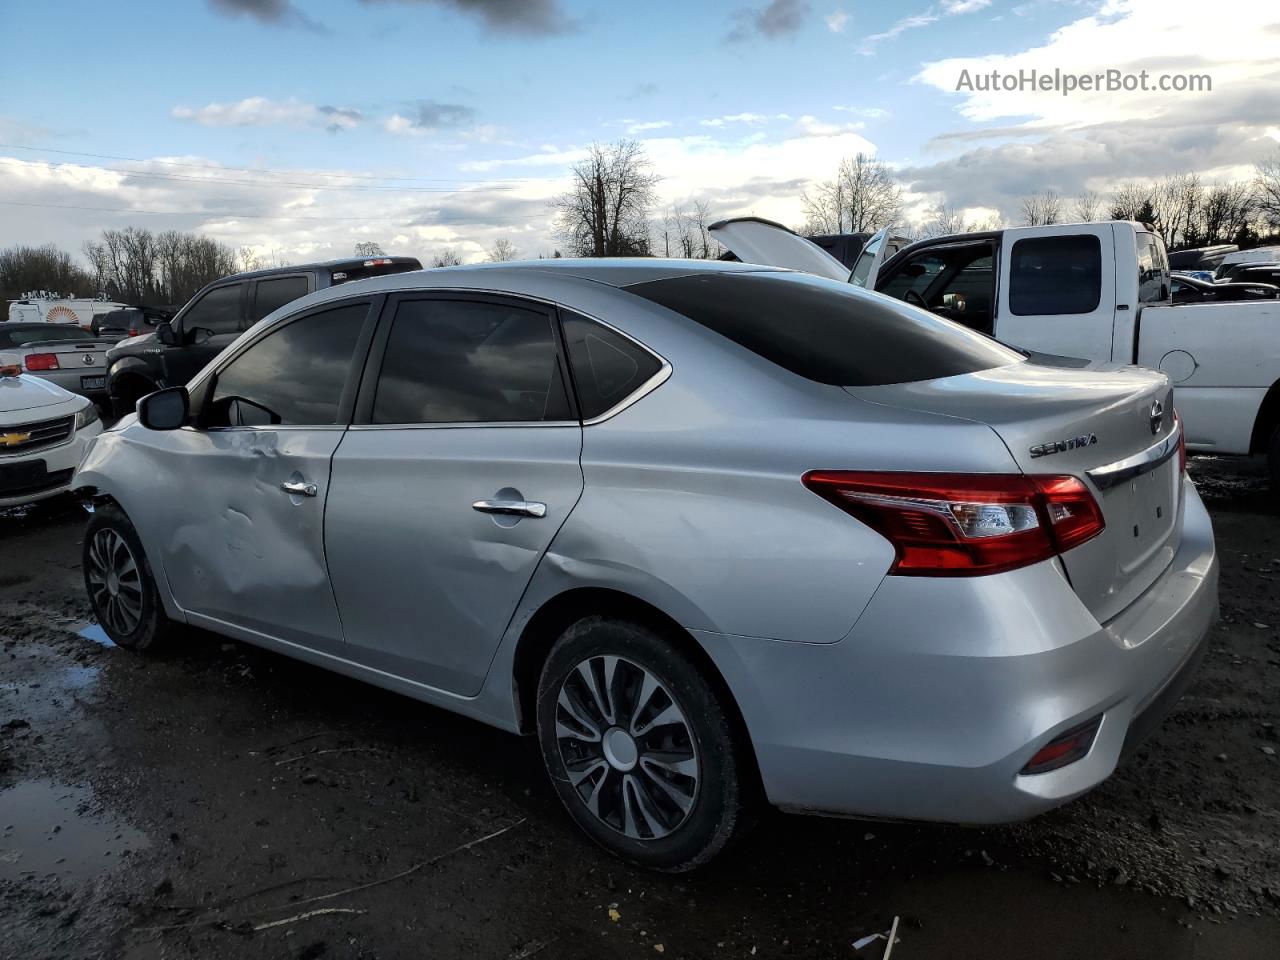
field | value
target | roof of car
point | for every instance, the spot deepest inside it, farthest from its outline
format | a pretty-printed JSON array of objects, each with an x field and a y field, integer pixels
[
  {"x": 613, "y": 271},
  {"x": 342, "y": 263}
]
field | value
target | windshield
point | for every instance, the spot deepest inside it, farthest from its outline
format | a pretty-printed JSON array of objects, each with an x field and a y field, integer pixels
[
  {"x": 826, "y": 331},
  {"x": 20, "y": 336}
]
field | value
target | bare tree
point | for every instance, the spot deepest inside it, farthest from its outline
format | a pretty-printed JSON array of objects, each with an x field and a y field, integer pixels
[
  {"x": 448, "y": 257},
  {"x": 368, "y": 248},
  {"x": 1226, "y": 212},
  {"x": 1042, "y": 209},
  {"x": 943, "y": 221},
  {"x": 1178, "y": 208},
  {"x": 863, "y": 196},
  {"x": 1134, "y": 200},
  {"x": 1266, "y": 184},
  {"x": 26, "y": 269},
  {"x": 1086, "y": 208},
  {"x": 502, "y": 251},
  {"x": 605, "y": 213}
]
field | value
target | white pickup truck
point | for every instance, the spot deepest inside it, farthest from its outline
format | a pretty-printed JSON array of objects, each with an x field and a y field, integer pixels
[{"x": 1092, "y": 291}]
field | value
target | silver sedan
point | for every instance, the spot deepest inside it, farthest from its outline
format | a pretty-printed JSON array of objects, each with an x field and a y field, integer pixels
[{"x": 718, "y": 535}]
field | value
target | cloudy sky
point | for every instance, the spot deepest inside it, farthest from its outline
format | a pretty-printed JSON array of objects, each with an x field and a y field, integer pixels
[{"x": 303, "y": 126}]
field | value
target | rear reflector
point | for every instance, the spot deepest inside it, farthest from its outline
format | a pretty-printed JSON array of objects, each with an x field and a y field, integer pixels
[
  {"x": 1064, "y": 749},
  {"x": 42, "y": 361},
  {"x": 958, "y": 525}
]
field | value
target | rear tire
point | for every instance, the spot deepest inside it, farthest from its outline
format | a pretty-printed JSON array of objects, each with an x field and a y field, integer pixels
[
  {"x": 119, "y": 582},
  {"x": 640, "y": 747},
  {"x": 1273, "y": 461}
]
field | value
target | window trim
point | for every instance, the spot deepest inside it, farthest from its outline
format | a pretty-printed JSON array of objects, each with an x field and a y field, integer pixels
[
  {"x": 1013, "y": 252},
  {"x": 363, "y": 413},
  {"x": 200, "y": 389}
]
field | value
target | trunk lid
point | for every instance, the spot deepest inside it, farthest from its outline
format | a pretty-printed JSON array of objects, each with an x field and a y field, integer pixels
[
  {"x": 1109, "y": 425},
  {"x": 755, "y": 240},
  {"x": 86, "y": 356}
]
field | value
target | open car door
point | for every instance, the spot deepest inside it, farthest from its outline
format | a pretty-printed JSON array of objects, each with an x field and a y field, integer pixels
[
  {"x": 755, "y": 240},
  {"x": 882, "y": 245}
]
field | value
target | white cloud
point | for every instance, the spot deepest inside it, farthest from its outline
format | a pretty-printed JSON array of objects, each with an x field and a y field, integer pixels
[
  {"x": 945, "y": 8},
  {"x": 837, "y": 20},
  {"x": 641, "y": 127},
  {"x": 264, "y": 112},
  {"x": 734, "y": 118},
  {"x": 871, "y": 113}
]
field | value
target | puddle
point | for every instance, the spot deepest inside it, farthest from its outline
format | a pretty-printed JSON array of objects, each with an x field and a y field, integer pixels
[
  {"x": 47, "y": 828},
  {"x": 78, "y": 678},
  {"x": 96, "y": 634}
]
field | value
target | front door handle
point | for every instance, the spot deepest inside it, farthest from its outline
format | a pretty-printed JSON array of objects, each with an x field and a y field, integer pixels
[
  {"x": 511, "y": 508},
  {"x": 299, "y": 488}
]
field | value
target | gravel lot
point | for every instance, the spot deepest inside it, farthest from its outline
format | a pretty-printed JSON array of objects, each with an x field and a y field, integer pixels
[{"x": 219, "y": 801}]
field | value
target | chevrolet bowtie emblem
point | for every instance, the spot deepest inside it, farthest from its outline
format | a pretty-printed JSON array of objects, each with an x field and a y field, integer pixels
[{"x": 13, "y": 439}]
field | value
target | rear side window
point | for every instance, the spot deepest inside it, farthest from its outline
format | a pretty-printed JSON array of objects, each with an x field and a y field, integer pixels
[
  {"x": 218, "y": 311},
  {"x": 291, "y": 377},
  {"x": 1153, "y": 269},
  {"x": 607, "y": 367},
  {"x": 273, "y": 294},
  {"x": 1051, "y": 276},
  {"x": 825, "y": 331},
  {"x": 467, "y": 361}
]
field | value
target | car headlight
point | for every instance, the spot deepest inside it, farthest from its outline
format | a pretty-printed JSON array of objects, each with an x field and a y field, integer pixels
[{"x": 86, "y": 416}]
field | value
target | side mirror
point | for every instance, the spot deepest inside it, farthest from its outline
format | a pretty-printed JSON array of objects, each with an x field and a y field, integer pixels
[
  {"x": 200, "y": 335},
  {"x": 165, "y": 334},
  {"x": 165, "y": 409}
]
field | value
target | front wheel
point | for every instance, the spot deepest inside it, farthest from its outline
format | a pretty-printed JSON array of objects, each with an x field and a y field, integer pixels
[
  {"x": 119, "y": 582},
  {"x": 639, "y": 746}
]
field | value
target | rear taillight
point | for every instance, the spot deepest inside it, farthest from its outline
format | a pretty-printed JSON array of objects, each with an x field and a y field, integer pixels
[
  {"x": 957, "y": 525},
  {"x": 132, "y": 333},
  {"x": 42, "y": 361}
]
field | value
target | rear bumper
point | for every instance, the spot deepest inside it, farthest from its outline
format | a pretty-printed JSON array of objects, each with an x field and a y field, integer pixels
[{"x": 945, "y": 688}]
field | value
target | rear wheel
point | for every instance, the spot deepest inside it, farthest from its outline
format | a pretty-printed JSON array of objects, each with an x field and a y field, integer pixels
[
  {"x": 119, "y": 582},
  {"x": 640, "y": 747}
]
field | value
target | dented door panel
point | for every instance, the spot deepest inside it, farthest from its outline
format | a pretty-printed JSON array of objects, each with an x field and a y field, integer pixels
[{"x": 238, "y": 547}]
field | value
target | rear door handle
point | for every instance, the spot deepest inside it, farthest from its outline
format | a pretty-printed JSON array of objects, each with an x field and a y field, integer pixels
[
  {"x": 299, "y": 488},
  {"x": 511, "y": 508}
]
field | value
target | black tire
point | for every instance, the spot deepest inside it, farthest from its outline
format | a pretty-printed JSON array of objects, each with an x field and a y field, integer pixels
[
  {"x": 108, "y": 537},
  {"x": 1273, "y": 461},
  {"x": 664, "y": 835}
]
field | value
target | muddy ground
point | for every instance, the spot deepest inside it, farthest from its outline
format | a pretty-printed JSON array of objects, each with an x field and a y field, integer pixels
[{"x": 219, "y": 801}]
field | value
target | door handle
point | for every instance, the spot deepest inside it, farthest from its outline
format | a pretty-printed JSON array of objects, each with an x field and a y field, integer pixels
[
  {"x": 511, "y": 508},
  {"x": 299, "y": 488}
]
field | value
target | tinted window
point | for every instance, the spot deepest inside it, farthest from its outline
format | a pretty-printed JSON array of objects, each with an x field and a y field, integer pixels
[
  {"x": 273, "y": 294},
  {"x": 862, "y": 266},
  {"x": 607, "y": 367},
  {"x": 827, "y": 331},
  {"x": 465, "y": 361},
  {"x": 218, "y": 311},
  {"x": 17, "y": 336},
  {"x": 1055, "y": 275},
  {"x": 292, "y": 376}
]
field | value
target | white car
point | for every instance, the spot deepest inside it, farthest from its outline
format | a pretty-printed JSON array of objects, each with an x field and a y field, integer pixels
[{"x": 45, "y": 432}]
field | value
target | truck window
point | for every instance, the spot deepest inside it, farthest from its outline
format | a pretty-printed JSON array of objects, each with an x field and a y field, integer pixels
[
  {"x": 862, "y": 267},
  {"x": 955, "y": 281},
  {"x": 218, "y": 311},
  {"x": 1052, "y": 276},
  {"x": 1153, "y": 269}
]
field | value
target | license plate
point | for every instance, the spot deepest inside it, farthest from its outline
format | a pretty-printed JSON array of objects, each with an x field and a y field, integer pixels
[
  {"x": 22, "y": 476},
  {"x": 93, "y": 383}
]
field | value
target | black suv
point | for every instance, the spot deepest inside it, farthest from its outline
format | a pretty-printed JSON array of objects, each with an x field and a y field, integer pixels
[{"x": 219, "y": 313}]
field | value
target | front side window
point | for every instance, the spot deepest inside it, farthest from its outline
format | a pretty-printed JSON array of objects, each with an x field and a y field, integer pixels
[
  {"x": 1052, "y": 276},
  {"x": 218, "y": 311},
  {"x": 468, "y": 361},
  {"x": 607, "y": 367},
  {"x": 293, "y": 376},
  {"x": 273, "y": 294},
  {"x": 915, "y": 277}
]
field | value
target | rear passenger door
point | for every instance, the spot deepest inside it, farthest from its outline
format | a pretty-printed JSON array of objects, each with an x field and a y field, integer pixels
[
  {"x": 1057, "y": 291},
  {"x": 274, "y": 292},
  {"x": 460, "y": 467}
]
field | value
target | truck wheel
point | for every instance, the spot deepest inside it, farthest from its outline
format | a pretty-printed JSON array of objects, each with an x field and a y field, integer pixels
[
  {"x": 639, "y": 746},
  {"x": 119, "y": 582}
]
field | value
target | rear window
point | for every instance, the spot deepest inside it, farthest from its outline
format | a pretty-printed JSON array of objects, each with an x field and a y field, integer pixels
[
  {"x": 1053, "y": 276},
  {"x": 825, "y": 331},
  {"x": 43, "y": 332}
]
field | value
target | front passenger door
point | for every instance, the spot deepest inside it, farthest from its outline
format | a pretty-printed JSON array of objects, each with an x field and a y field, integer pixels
[
  {"x": 204, "y": 330},
  {"x": 462, "y": 463}
]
